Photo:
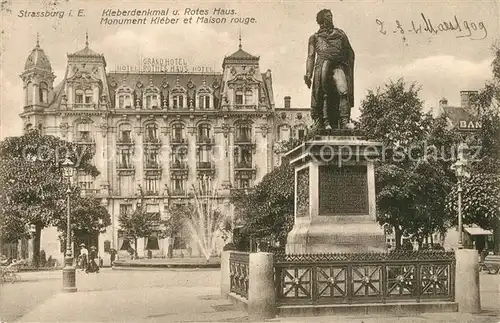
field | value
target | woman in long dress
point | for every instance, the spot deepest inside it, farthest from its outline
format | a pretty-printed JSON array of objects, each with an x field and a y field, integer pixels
[{"x": 92, "y": 266}]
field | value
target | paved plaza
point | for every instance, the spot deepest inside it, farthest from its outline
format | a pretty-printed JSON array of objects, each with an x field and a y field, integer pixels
[{"x": 171, "y": 296}]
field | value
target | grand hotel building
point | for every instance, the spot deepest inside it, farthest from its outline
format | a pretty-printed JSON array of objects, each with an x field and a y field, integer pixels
[{"x": 161, "y": 132}]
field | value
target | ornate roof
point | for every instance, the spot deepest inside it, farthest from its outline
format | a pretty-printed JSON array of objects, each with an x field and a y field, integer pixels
[
  {"x": 38, "y": 59},
  {"x": 86, "y": 52},
  {"x": 240, "y": 56}
]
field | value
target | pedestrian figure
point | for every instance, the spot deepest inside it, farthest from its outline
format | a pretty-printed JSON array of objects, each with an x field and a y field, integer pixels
[
  {"x": 84, "y": 255},
  {"x": 92, "y": 262}
]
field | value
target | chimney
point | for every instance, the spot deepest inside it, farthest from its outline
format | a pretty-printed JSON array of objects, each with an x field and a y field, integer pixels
[
  {"x": 287, "y": 102},
  {"x": 466, "y": 97},
  {"x": 439, "y": 110},
  {"x": 443, "y": 103}
]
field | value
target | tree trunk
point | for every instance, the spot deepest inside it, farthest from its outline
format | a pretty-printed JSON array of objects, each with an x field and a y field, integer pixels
[
  {"x": 36, "y": 244},
  {"x": 496, "y": 236},
  {"x": 432, "y": 240},
  {"x": 397, "y": 236},
  {"x": 136, "y": 255}
]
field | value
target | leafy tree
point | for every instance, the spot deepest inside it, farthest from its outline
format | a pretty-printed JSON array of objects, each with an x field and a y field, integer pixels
[
  {"x": 480, "y": 191},
  {"x": 88, "y": 216},
  {"x": 33, "y": 188},
  {"x": 267, "y": 210},
  {"x": 413, "y": 177},
  {"x": 139, "y": 223}
]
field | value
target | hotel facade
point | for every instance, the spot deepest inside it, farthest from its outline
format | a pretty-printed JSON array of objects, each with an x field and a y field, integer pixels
[{"x": 162, "y": 133}]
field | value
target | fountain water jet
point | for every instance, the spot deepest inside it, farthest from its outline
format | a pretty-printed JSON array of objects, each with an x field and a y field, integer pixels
[{"x": 205, "y": 220}]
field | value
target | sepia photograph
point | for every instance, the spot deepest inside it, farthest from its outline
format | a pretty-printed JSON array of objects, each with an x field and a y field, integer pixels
[{"x": 250, "y": 161}]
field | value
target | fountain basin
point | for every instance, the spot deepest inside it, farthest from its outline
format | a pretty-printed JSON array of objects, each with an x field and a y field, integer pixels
[{"x": 168, "y": 263}]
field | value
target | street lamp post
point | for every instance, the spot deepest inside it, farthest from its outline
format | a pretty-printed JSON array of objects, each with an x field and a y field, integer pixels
[
  {"x": 69, "y": 271},
  {"x": 460, "y": 168}
]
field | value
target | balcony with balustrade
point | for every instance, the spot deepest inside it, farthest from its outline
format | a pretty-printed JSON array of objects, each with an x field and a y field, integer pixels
[
  {"x": 151, "y": 141},
  {"x": 125, "y": 141},
  {"x": 205, "y": 140},
  {"x": 175, "y": 140},
  {"x": 125, "y": 168},
  {"x": 178, "y": 165},
  {"x": 85, "y": 140},
  {"x": 82, "y": 106},
  {"x": 244, "y": 165},
  {"x": 152, "y": 168},
  {"x": 205, "y": 168}
]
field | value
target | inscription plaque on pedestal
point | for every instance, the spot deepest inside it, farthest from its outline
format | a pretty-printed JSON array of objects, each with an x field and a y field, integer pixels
[{"x": 343, "y": 190}]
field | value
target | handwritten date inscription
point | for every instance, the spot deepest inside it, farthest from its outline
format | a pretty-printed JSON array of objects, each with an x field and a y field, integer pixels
[{"x": 425, "y": 25}]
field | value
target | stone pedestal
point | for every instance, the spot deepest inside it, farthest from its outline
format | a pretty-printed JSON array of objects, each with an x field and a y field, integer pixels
[
  {"x": 467, "y": 293},
  {"x": 261, "y": 292},
  {"x": 335, "y": 195},
  {"x": 225, "y": 281}
]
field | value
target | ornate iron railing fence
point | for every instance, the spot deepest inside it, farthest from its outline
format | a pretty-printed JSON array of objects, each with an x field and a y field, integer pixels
[
  {"x": 416, "y": 276},
  {"x": 239, "y": 272}
]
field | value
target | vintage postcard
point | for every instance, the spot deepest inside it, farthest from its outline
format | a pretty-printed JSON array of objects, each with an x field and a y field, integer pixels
[{"x": 214, "y": 161}]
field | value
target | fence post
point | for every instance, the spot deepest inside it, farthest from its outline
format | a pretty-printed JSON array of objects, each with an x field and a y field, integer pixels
[
  {"x": 261, "y": 290},
  {"x": 225, "y": 280},
  {"x": 467, "y": 281}
]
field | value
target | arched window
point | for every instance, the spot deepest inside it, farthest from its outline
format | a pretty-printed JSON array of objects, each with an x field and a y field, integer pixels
[
  {"x": 243, "y": 132},
  {"x": 151, "y": 132},
  {"x": 83, "y": 132},
  {"x": 43, "y": 91},
  {"x": 125, "y": 133},
  {"x": 204, "y": 132},
  {"x": 248, "y": 97},
  {"x": 178, "y": 132},
  {"x": 28, "y": 96},
  {"x": 79, "y": 96},
  {"x": 152, "y": 101},
  {"x": 204, "y": 101}
]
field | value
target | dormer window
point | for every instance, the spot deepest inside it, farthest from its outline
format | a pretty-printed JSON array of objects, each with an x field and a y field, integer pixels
[
  {"x": 152, "y": 101},
  {"x": 43, "y": 92},
  {"x": 204, "y": 102},
  {"x": 79, "y": 96},
  {"x": 178, "y": 101},
  {"x": 239, "y": 97},
  {"x": 88, "y": 97},
  {"x": 124, "y": 101},
  {"x": 248, "y": 97}
]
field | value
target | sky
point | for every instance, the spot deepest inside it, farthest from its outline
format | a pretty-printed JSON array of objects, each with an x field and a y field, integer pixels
[{"x": 442, "y": 63}]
